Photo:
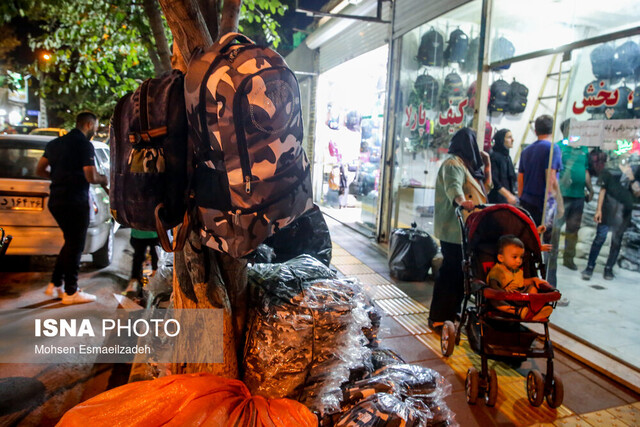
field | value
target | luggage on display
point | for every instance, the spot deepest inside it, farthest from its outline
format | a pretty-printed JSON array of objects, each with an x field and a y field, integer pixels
[
  {"x": 471, "y": 94},
  {"x": 517, "y": 97},
  {"x": 622, "y": 110},
  {"x": 410, "y": 253},
  {"x": 452, "y": 92},
  {"x": 625, "y": 59},
  {"x": 150, "y": 158},
  {"x": 602, "y": 60},
  {"x": 457, "y": 46},
  {"x": 470, "y": 64},
  {"x": 636, "y": 102},
  {"x": 502, "y": 49},
  {"x": 499, "y": 100},
  {"x": 431, "y": 49},
  {"x": 251, "y": 175},
  {"x": 425, "y": 92}
]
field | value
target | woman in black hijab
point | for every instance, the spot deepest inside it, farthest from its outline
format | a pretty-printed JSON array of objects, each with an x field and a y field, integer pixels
[
  {"x": 504, "y": 176},
  {"x": 462, "y": 180}
]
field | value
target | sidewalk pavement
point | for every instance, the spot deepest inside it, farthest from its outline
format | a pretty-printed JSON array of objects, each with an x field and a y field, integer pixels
[{"x": 590, "y": 398}]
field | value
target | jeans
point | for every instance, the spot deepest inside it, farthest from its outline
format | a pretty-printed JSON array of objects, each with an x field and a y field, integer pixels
[
  {"x": 74, "y": 222},
  {"x": 448, "y": 291},
  {"x": 139, "y": 254},
  {"x": 573, "y": 208},
  {"x": 616, "y": 242}
]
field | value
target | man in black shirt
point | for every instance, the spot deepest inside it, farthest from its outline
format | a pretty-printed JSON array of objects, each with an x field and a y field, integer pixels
[
  {"x": 69, "y": 161},
  {"x": 618, "y": 193}
]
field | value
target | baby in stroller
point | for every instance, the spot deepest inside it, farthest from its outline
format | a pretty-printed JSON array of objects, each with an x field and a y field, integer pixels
[{"x": 507, "y": 275}]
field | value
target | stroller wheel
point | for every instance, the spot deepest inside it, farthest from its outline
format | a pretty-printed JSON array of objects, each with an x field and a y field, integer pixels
[
  {"x": 535, "y": 388},
  {"x": 556, "y": 394},
  {"x": 492, "y": 388},
  {"x": 448, "y": 338},
  {"x": 471, "y": 385}
]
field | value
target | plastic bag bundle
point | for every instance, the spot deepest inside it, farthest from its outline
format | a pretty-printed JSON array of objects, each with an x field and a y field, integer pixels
[
  {"x": 375, "y": 317},
  {"x": 382, "y": 410},
  {"x": 188, "y": 399},
  {"x": 410, "y": 253},
  {"x": 160, "y": 286},
  {"x": 305, "y": 335},
  {"x": 381, "y": 357},
  {"x": 262, "y": 254},
  {"x": 308, "y": 234}
]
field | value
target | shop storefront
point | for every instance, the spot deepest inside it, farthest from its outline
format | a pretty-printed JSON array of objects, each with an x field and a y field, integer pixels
[{"x": 576, "y": 62}]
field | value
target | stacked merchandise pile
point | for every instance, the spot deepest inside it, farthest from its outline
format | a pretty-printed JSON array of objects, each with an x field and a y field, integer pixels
[{"x": 313, "y": 337}]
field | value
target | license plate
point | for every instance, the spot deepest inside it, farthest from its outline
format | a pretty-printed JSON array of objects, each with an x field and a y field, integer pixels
[{"x": 21, "y": 203}]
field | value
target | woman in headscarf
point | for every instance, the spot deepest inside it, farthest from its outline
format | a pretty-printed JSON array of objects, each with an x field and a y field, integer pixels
[
  {"x": 462, "y": 181},
  {"x": 502, "y": 171}
]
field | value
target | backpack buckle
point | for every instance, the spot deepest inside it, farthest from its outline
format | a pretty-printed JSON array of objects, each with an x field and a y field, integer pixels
[{"x": 134, "y": 138}]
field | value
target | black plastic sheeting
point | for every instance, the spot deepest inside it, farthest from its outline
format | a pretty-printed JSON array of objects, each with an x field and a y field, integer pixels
[
  {"x": 308, "y": 235},
  {"x": 410, "y": 254}
]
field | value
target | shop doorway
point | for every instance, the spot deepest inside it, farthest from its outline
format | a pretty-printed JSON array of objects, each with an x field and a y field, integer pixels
[{"x": 348, "y": 139}]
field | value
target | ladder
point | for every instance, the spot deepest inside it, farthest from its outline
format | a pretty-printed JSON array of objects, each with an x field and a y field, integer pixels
[{"x": 542, "y": 96}]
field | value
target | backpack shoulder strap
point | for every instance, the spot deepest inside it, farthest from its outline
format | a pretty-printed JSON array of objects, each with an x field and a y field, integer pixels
[
  {"x": 228, "y": 39},
  {"x": 181, "y": 237}
]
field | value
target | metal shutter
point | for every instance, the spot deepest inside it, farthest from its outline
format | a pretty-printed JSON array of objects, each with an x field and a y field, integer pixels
[{"x": 410, "y": 14}]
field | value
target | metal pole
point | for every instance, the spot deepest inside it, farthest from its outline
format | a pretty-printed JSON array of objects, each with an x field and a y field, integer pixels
[{"x": 482, "y": 80}]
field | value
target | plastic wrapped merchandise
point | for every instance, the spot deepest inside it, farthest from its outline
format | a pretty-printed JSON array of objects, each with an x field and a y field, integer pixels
[
  {"x": 305, "y": 336},
  {"x": 160, "y": 286},
  {"x": 410, "y": 253},
  {"x": 262, "y": 255},
  {"x": 187, "y": 399},
  {"x": 384, "y": 410},
  {"x": 417, "y": 380},
  {"x": 381, "y": 357},
  {"x": 308, "y": 234},
  {"x": 375, "y": 317}
]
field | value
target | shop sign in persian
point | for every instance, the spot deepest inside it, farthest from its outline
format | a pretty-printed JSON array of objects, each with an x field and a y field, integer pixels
[
  {"x": 454, "y": 115},
  {"x": 607, "y": 134},
  {"x": 597, "y": 97}
]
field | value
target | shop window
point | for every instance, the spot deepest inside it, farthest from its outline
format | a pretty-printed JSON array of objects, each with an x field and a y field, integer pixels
[{"x": 438, "y": 66}]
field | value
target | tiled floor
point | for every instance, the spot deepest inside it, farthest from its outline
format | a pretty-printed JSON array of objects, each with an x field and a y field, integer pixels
[{"x": 590, "y": 399}]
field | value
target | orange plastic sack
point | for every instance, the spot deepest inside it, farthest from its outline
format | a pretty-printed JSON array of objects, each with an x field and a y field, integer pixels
[{"x": 189, "y": 399}]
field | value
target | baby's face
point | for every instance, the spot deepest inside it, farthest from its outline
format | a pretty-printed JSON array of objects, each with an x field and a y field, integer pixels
[{"x": 511, "y": 256}]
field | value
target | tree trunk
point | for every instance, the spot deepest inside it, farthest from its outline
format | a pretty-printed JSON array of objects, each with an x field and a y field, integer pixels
[
  {"x": 153, "y": 55},
  {"x": 230, "y": 16},
  {"x": 211, "y": 12},
  {"x": 187, "y": 25},
  {"x": 155, "y": 21}
]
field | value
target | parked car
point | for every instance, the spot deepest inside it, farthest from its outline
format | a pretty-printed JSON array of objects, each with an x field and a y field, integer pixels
[
  {"x": 24, "y": 197},
  {"x": 49, "y": 132}
]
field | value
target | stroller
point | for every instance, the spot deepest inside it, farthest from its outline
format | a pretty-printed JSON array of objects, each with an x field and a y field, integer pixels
[{"x": 494, "y": 334}]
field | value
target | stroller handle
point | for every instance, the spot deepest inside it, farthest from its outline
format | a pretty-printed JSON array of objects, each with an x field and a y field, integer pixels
[{"x": 459, "y": 210}]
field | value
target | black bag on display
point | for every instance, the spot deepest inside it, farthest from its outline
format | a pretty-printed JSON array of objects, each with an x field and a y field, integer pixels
[
  {"x": 307, "y": 234},
  {"x": 470, "y": 64},
  {"x": 622, "y": 110},
  {"x": 425, "y": 92},
  {"x": 517, "y": 97},
  {"x": 625, "y": 59},
  {"x": 499, "y": 99},
  {"x": 452, "y": 91},
  {"x": 410, "y": 253},
  {"x": 636, "y": 102},
  {"x": 457, "y": 46},
  {"x": 502, "y": 49},
  {"x": 602, "y": 60},
  {"x": 431, "y": 50}
]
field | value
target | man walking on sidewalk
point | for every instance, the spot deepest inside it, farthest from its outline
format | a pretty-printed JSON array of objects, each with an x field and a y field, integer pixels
[{"x": 69, "y": 161}]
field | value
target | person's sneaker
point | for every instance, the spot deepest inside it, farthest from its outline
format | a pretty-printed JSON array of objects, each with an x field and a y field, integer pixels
[
  {"x": 570, "y": 264},
  {"x": 543, "y": 314},
  {"x": 587, "y": 273},
  {"x": 435, "y": 326},
  {"x": 54, "y": 291},
  {"x": 78, "y": 297},
  {"x": 608, "y": 274}
]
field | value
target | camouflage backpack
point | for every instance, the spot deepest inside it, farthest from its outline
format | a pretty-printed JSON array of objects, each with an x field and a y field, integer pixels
[{"x": 251, "y": 176}]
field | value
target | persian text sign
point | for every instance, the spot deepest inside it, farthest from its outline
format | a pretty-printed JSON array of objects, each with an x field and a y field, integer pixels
[{"x": 603, "y": 133}]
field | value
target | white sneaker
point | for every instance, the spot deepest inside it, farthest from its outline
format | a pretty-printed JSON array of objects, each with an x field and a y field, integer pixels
[
  {"x": 54, "y": 291},
  {"x": 78, "y": 297}
]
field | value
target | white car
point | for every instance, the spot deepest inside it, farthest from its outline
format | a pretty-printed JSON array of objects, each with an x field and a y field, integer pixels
[{"x": 24, "y": 196}]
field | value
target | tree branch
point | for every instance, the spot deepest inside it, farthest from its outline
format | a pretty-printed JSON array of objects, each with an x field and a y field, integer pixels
[
  {"x": 187, "y": 25},
  {"x": 162, "y": 46},
  {"x": 211, "y": 12},
  {"x": 230, "y": 16}
]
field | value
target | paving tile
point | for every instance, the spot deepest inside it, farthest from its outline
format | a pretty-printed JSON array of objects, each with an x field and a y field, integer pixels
[
  {"x": 345, "y": 260},
  {"x": 349, "y": 270},
  {"x": 627, "y": 413},
  {"x": 582, "y": 395},
  {"x": 438, "y": 365},
  {"x": 612, "y": 387},
  {"x": 398, "y": 306},
  {"x": 603, "y": 418},
  {"x": 574, "y": 421},
  {"x": 388, "y": 292},
  {"x": 371, "y": 279},
  {"x": 409, "y": 348},
  {"x": 477, "y": 415},
  {"x": 513, "y": 402},
  {"x": 415, "y": 323},
  {"x": 389, "y": 328}
]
